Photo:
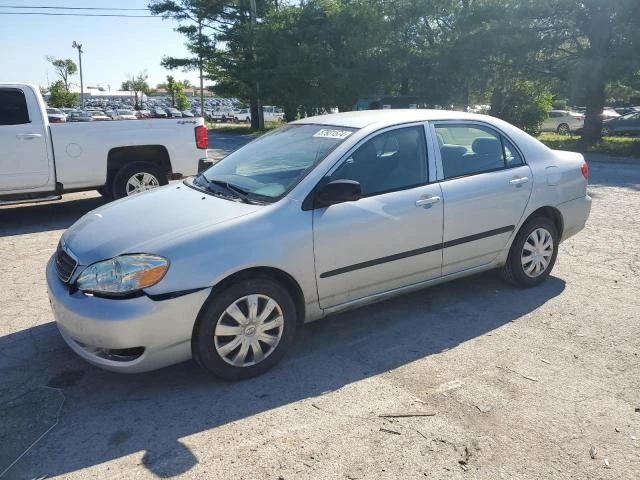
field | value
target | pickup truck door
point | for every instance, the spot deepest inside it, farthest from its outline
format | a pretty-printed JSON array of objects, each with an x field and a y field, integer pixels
[{"x": 24, "y": 159}]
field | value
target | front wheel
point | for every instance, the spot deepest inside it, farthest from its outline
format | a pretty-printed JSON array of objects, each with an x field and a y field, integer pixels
[
  {"x": 137, "y": 177},
  {"x": 245, "y": 329},
  {"x": 606, "y": 132},
  {"x": 563, "y": 129},
  {"x": 532, "y": 254}
]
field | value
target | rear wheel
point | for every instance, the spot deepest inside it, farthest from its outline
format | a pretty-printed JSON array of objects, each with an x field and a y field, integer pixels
[
  {"x": 563, "y": 129},
  {"x": 245, "y": 329},
  {"x": 137, "y": 177},
  {"x": 533, "y": 253},
  {"x": 606, "y": 131}
]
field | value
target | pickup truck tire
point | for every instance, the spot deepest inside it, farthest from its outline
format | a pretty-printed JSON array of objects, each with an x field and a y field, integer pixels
[
  {"x": 105, "y": 191},
  {"x": 137, "y": 177}
]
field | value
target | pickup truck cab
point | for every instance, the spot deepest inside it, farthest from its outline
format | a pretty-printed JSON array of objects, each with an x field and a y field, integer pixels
[{"x": 40, "y": 161}]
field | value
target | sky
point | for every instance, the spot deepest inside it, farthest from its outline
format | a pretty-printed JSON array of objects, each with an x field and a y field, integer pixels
[{"x": 113, "y": 48}]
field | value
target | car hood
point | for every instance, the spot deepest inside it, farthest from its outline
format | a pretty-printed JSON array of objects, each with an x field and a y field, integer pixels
[{"x": 147, "y": 222}]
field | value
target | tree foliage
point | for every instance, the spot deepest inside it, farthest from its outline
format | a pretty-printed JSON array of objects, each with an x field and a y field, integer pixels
[
  {"x": 319, "y": 54},
  {"x": 139, "y": 86},
  {"x": 176, "y": 90},
  {"x": 60, "y": 97},
  {"x": 65, "y": 68}
]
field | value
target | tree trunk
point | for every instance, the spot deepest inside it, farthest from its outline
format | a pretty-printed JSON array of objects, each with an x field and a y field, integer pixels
[
  {"x": 592, "y": 133},
  {"x": 255, "y": 122}
]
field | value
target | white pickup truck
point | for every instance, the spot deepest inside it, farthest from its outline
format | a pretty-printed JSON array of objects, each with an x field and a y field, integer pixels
[{"x": 40, "y": 162}]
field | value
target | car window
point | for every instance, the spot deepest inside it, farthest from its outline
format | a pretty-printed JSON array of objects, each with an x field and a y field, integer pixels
[
  {"x": 472, "y": 149},
  {"x": 13, "y": 107},
  {"x": 390, "y": 161}
]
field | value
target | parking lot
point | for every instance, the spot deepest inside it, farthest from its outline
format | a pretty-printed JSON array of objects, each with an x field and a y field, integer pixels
[{"x": 471, "y": 379}]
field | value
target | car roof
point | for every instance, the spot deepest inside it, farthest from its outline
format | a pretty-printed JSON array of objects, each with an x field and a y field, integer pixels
[{"x": 384, "y": 118}]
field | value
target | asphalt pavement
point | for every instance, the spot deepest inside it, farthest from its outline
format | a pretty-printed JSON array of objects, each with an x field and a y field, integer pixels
[{"x": 472, "y": 379}]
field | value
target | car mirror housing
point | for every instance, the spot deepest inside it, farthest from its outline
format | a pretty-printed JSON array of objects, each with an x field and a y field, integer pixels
[{"x": 337, "y": 191}]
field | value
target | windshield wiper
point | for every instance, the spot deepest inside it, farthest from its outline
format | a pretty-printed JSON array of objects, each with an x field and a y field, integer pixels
[{"x": 233, "y": 190}]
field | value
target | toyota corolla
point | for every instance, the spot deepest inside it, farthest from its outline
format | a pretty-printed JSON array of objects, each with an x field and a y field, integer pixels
[{"x": 321, "y": 215}]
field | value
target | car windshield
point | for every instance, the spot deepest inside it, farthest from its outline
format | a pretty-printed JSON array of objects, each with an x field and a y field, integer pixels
[
  {"x": 125, "y": 112},
  {"x": 269, "y": 167},
  {"x": 55, "y": 111}
]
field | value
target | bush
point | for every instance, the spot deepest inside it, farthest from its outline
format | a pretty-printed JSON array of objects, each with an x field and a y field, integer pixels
[{"x": 521, "y": 103}]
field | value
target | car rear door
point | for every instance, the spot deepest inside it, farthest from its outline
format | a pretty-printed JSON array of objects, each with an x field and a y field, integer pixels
[
  {"x": 485, "y": 188},
  {"x": 392, "y": 236},
  {"x": 24, "y": 160}
]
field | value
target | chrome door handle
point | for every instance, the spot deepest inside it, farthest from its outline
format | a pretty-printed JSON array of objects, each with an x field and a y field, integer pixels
[
  {"x": 28, "y": 136},
  {"x": 427, "y": 201},
  {"x": 519, "y": 181}
]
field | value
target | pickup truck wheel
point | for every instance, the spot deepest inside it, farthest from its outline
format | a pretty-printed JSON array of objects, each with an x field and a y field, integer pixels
[{"x": 137, "y": 177}]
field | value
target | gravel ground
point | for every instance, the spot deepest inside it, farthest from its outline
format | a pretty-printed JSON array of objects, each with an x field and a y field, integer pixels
[{"x": 516, "y": 384}]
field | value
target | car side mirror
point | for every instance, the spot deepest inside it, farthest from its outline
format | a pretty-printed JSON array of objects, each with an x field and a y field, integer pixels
[{"x": 338, "y": 191}]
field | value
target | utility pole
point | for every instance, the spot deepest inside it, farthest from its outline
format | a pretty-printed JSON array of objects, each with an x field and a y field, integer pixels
[
  {"x": 79, "y": 47},
  {"x": 254, "y": 21},
  {"x": 200, "y": 65}
]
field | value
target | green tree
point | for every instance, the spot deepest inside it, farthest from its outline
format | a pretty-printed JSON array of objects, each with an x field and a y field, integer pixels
[
  {"x": 176, "y": 90},
  {"x": 65, "y": 68},
  {"x": 521, "y": 102},
  {"x": 139, "y": 86},
  {"x": 60, "y": 97}
]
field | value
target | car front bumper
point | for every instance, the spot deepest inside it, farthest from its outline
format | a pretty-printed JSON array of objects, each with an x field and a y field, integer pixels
[{"x": 125, "y": 335}]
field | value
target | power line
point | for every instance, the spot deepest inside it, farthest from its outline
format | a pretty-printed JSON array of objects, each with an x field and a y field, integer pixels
[
  {"x": 74, "y": 8},
  {"x": 79, "y": 14}
]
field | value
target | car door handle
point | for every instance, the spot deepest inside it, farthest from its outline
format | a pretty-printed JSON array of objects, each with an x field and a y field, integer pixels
[
  {"x": 427, "y": 201},
  {"x": 519, "y": 181},
  {"x": 28, "y": 136}
]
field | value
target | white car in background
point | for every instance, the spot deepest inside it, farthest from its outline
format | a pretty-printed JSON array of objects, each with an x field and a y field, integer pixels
[
  {"x": 125, "y": 115},
  {"x": 563, "y": 122}
]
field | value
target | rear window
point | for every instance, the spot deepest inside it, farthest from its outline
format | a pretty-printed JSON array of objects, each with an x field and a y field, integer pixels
[{"x": 13, "y": 107}]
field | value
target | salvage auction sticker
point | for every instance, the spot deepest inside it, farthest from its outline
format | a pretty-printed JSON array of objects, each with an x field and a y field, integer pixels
[{"x": 329, "y": 133}]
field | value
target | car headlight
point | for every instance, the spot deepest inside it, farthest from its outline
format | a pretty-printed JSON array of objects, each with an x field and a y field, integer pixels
[{"x": 122, "y": 275}]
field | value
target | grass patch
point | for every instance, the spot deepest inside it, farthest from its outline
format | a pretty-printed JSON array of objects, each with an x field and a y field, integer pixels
[
  {"x": 241, "y": 128},
  {"x": 618, "y": 146}
]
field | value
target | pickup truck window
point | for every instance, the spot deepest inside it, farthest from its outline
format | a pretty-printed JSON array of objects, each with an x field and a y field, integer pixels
[{"x": 13, "y": 107}]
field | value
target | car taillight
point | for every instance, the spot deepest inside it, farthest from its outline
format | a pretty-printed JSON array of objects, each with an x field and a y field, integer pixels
[
  {"x": 585, "y": 170},
  {"x": 202, "y": 137}
]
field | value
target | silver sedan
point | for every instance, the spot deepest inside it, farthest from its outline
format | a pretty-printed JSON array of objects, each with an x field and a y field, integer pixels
[{"x": 322, "y": 215}]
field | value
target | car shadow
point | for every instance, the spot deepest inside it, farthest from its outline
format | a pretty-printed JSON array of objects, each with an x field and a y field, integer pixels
[
  {"x": 105, "y": 416},
  {"x": 35, "y": 218}
]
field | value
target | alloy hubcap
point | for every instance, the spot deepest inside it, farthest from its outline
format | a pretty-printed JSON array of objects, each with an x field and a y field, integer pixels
[
  {"x": 249, "y": 330},
  {"x": 537, "y": 252},
  {"x": 141, "y": 182}
]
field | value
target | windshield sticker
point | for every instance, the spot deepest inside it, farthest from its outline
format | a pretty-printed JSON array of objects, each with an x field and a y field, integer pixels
[{"x": 330, "y": 133}]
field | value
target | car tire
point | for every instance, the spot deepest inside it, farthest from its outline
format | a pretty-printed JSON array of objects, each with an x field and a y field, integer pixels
[
  {"x": 606, "y": 132},
  {"x": 148, "y": 175},
  {"x": 563, "y": 129},
  {"x": 530, "y": 249},
  {"x": 233, "y": 356}
]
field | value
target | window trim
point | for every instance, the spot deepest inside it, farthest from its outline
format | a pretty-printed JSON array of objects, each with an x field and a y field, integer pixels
[
  {"x": 26, "y": 104},
  {"x": 499, "y": 133}
]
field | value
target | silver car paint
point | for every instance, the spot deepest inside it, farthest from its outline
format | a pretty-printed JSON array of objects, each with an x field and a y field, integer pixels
[{"x": 208, "y": 239}]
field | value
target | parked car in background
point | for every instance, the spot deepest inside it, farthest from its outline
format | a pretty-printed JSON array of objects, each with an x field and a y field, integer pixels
[
  {"x": 609, "y": 113},
  {"x": 98, "y": 115},
  {"x": 243, "y": 115},
  {"x": 563, "y": 122},
  {"x": 142, "y": 114},
  {"x": 628, "y": 124},
  {"x": 158, "y": 113},
  {"x": 56, "y": 115},
  {"x": 356, "y": 211},
  {"x": 187, "y": 113},
  {"x": 173, "y": 113},
  {"x": 273, "y": 114},
  {"x": 67, "y": 111},
  {"x": 79, "y": 116},
  {"x": 125, "y": 115},
  {"x": 221, "y": 114}
]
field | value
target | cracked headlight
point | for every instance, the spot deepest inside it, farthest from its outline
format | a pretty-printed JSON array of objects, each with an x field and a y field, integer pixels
[{"x": 122, "y": 275}]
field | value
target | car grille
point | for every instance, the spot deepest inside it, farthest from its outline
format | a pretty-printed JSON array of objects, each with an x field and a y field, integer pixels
[{"x": 65, "y": 264}]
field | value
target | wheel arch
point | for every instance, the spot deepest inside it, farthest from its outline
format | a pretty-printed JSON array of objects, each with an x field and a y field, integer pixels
[
  {"x": 118, "y": 157},
  {"x": 550, "y": 212}
]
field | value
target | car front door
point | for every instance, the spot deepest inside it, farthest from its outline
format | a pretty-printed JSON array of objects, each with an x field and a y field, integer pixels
[
  {"x": 629, "y": 125},
  {"x": 392, "y": 236},
  {"x": 485, "y": 188},
  {"x": 24, "y": 163}
]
